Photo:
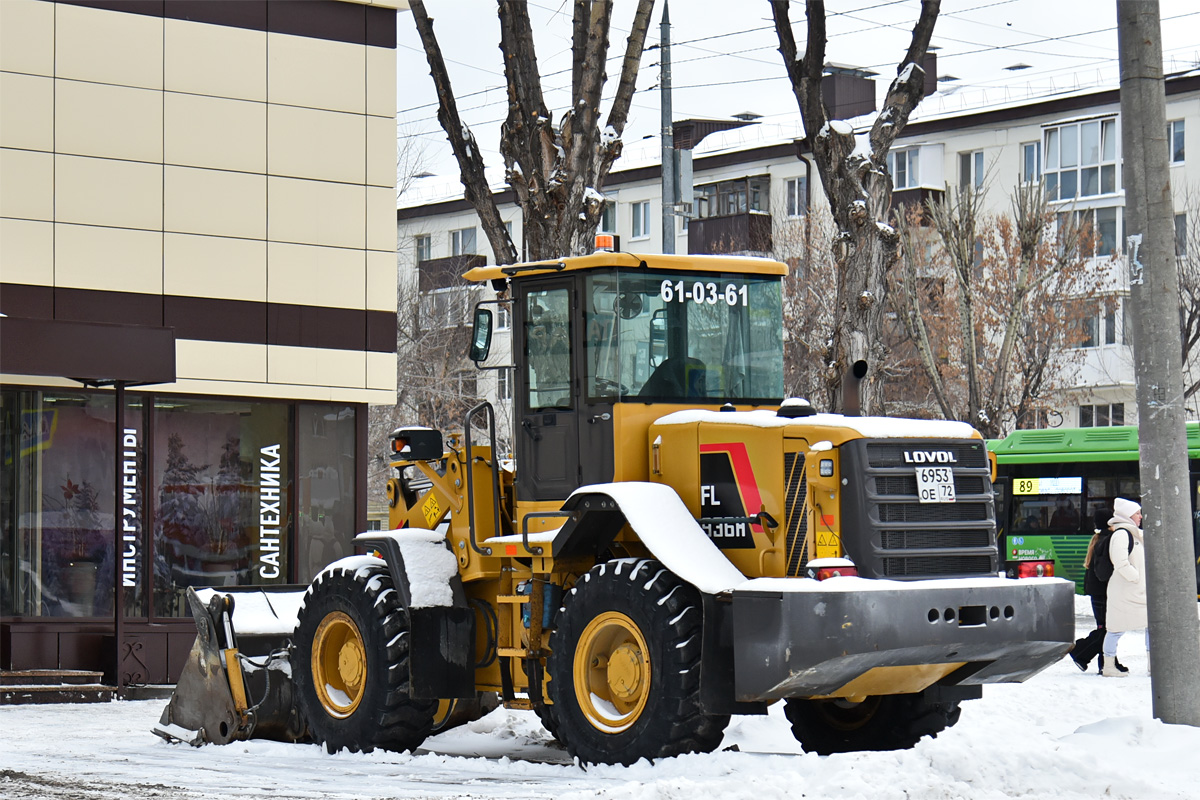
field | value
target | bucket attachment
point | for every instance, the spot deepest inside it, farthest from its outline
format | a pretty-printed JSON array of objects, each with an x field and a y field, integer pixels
[{"x": 211, "y": 702}]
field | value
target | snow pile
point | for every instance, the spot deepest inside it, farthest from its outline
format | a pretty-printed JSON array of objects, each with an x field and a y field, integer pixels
[
  {"x": 263, "y": 612},
  {"x": 1063, "y": 734},
  {"x": 870, "y": 427}
]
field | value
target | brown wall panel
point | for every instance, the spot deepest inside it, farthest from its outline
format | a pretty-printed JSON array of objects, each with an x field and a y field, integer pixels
[
  {"x": 33, "y": 650},
  {"x": 85, "y": 650},
  {"x": 217, "y": 320},
  {"x": 381, "y": 332},
  {"x": 118, "y": 308},
  {"x": 144, "y": 658},
  {"x": 316, "y": 19},
  {"x": 248, "y": 14},
  {"x": 33, "y": 302},
  {"x": 311, "y": 326}
]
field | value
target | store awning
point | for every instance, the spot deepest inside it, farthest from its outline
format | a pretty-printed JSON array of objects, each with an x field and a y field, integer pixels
[{"x": 87, "y": 351}]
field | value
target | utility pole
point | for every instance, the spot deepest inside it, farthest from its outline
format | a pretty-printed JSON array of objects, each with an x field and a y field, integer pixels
[
  {"x": 1158, "y": 362},
  {"x": 669, "y": 188}
]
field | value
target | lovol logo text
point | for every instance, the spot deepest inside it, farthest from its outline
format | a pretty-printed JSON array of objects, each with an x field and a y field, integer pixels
[
  {"x": 929, "y": 457},
  {"x": 268, "y": 512}
]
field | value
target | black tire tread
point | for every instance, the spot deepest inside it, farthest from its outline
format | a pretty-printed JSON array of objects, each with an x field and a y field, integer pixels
[
  {"x": 671, "y": 620},
  {"x": 388, "y": 718},
  {"x": 899, "y": 723}
]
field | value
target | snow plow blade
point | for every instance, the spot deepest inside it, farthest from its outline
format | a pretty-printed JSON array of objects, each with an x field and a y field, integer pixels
[
  {"x": 850, "y": 637},
  {"x": 227, "y": 693}
]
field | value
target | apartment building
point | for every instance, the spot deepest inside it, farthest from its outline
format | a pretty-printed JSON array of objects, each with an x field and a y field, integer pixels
[
  {"x": 197, "y": 287},
  {"x": 750, "y": 182}
]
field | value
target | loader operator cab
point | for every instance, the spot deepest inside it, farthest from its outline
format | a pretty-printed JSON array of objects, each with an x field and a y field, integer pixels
[{"x": 612, "y": 341}]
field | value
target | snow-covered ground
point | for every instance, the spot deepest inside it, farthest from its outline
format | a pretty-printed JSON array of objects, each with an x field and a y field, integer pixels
[{"x": 1062, "y": 735}]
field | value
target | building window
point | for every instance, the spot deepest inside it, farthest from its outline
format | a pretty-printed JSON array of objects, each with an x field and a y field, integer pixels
[
  {"x": 1031, "y": 162},
  {"x": 503, "y": 318},
  {"x": 326, "y": 445},
  {"x": 728, "y": 198},
  {"x": 462, "y": 242},
  {"x": 905, "y": 167},
  {"x": 448, "y": 307},
  {"x": 641, "y": 220},
  {"x": 1081, "y": 159},
  {"x": 1181, "y": 236},
  {"x": 424, "y": 246},
  {"x": 1175, "y": 140},
  {"x": 221, "y": 505},
  {"x": 1103, "y": 224},
  {"x": 608, "y": 218},
  {"x": 970, "y": 170},
  {"x": 1101, "y": 415},
  {"x": 503, "y": 385},
  {"x": 797, "y": 196}
]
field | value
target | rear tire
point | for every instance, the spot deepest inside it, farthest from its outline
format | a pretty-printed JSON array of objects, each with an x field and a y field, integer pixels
[
  {"x": 625, "y": 667},
  {"x": 350, "y": 663},
  {"x": 880, "y": 722}
]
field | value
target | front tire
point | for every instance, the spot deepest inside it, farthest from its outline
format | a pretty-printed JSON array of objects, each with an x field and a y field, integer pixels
[
  {"x": 350, "y": 663},
  {"x": 625, "y": 667},
  {"x": 879, "y": 722}
]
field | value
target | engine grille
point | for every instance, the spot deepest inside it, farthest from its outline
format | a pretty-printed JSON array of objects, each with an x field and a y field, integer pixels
[
  {"x": 907, "y": 484},
  {"x": 933, "y": 540},
  {"x": 891, "y": 534},
  {"x": 795, "y": 508},
  {"x": 933, "y": 512},
  {"x": 929, "y": 566},
  {"x": 968, "y": 453}
]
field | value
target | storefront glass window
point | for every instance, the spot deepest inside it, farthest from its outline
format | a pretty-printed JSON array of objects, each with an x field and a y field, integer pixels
[
  {"x": 222, "y": 496},
  {"x": 59, "y": 500},
  {"x": 325, "y": 474}
]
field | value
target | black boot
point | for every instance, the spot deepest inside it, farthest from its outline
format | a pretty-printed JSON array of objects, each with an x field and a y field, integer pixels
[
  {"x": 1100, "y": 663},
  {"x": 1120, "y": 667},
  {"x": 1083, "y": 665}
]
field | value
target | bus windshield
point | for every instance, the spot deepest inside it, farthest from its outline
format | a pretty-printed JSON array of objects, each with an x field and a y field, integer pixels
[{"x": 683, "y": 337}]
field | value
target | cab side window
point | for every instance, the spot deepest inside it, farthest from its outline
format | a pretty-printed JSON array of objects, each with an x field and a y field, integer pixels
[{"x": 548, "y": 349}]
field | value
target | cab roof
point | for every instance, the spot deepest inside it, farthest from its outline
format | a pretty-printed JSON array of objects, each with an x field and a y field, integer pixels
[{"x": 747, "y": 265}]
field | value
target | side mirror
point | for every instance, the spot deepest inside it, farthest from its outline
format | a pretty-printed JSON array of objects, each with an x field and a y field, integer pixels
[{"x": 481, "y": 335}]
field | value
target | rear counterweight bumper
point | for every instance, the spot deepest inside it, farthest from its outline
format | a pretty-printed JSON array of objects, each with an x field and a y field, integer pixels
[{"x": 794, "y": 637}]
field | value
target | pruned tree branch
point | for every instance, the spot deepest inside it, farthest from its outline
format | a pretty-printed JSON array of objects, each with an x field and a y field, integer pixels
[
  {"x": 462, "y": 142},
  {"x": 857, "y": 186}
]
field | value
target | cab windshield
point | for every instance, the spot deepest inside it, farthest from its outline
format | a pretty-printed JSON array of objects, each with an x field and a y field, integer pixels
[{"x": 680, "y": 337}]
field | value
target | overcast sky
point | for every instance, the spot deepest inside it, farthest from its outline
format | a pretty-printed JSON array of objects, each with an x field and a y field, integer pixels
[{"x": 725, "y": 60}]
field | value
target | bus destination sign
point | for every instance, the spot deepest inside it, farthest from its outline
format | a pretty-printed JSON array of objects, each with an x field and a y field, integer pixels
[{"x": 1047, "y": 485}]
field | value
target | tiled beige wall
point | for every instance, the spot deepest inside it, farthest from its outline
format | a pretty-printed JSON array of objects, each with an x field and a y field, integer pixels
[{"x": 140, "y": 154}]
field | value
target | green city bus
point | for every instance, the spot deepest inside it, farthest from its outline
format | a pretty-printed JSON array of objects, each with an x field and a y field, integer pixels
[{"x": 1050, "y": 484}]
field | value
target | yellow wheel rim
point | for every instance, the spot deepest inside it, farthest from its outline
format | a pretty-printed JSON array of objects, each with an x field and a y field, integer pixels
[
  {"x": 442, "y": 714},
  {"x": 339, "y": 664},
  {"x": 612, "y": 672}
]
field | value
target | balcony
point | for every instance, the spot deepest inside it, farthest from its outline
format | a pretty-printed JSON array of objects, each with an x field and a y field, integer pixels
[
  {"x": 737, "y": 234},
  {"x": 440, "y": 273},
  {"x": 902, "y": 198}
]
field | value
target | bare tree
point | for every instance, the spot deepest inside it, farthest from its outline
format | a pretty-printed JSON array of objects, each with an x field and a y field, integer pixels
[
  {"x": 557, "y": 171},
  {"x": 804, "y": 244},
  {"x": 993, "y": 307},
  {"x": 859, "y": 190},
  {"x": 1187, "y": 259},
  {"x": 436, "y": 384}
]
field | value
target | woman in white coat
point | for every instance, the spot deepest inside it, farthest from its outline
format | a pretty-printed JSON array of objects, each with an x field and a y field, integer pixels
[{"x": 1127, "y": 586}]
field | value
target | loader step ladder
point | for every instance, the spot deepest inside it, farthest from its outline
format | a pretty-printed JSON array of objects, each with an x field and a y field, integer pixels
[{"x": 25, "y": 687}]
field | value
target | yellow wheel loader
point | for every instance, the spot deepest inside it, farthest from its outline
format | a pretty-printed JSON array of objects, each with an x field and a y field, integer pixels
[{"x": 669, "y": 544}]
